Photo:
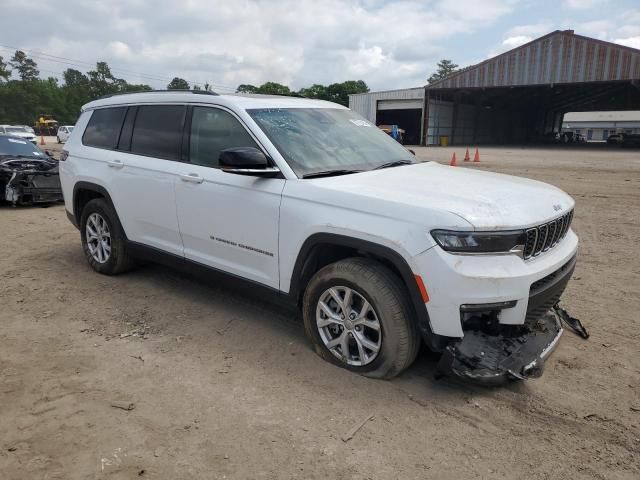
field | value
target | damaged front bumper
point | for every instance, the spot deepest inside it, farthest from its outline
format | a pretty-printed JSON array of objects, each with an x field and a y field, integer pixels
[
  {"x": 492, "y": 352},
  {"x": 496, "y": 353},
  {"x": 28, "y": 187}
]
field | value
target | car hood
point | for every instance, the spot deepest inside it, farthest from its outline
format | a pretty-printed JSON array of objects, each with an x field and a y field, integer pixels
[{"x": 487, "y": 200}]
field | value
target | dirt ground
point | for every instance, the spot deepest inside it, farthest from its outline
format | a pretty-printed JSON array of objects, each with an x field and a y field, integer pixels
[{"x": 225, "y": 386}]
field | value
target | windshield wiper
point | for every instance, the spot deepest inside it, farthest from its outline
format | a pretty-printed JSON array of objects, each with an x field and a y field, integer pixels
[
  {"x": 330, "y": 173},
  {"x": 395, "y": 163}
]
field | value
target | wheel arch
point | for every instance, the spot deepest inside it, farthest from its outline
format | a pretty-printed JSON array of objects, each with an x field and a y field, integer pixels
[
  {"x": 84, "y": 192},
  {"x": 320, "y": 249}
]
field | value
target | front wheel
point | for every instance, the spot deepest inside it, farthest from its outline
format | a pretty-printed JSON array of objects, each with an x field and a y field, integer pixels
[{"x": 357, "y": 314}]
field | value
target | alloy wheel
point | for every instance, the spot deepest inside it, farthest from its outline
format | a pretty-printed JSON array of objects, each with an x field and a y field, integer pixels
[
  {"x": 98, "y": 238},
  {"x": 348, "y": 326}
]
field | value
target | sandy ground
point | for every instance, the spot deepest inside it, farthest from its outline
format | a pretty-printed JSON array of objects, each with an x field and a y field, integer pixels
[{"x": 225, "y": 386}]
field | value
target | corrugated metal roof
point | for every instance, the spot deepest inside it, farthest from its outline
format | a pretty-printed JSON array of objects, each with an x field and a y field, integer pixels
[
  {"x": 366, "y": 103},
  {"x": 558, "y": 57},
  {"x": 630, "y": 116}
]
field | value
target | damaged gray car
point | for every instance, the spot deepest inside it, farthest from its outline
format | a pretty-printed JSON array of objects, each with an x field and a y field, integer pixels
[{"x": 27, "y": 174}]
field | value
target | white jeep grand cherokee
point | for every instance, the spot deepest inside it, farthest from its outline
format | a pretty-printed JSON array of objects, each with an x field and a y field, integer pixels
[{"x": 307, "y": 200}]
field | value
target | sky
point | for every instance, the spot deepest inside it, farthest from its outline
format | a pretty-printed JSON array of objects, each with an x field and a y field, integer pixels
[{"x": 388, "y": 44}]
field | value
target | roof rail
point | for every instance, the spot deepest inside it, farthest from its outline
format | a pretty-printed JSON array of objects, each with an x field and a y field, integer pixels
[{"x": 195, "y": 92}]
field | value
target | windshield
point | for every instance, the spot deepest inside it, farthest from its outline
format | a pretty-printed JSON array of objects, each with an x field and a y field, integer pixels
[
  {"x": 15, "y": 146},
  {"x": 314, "y": 140},
  {"x": 16, "y": 129}
]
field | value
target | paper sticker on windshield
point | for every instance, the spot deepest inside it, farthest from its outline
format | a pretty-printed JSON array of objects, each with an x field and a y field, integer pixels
[
  {"x": 13, "y": 140},
  {"x": 360, "y": 123}
]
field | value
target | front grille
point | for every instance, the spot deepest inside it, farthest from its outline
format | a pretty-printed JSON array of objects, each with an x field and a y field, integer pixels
[
  {"x": 539, "y": 284},
  {"x": 546, "y": 236}
]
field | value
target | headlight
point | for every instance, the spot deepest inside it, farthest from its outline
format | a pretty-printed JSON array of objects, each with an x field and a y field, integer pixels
[{"x": 480, "y": 242}]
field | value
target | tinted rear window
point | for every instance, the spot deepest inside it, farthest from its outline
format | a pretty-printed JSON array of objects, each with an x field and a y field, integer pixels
[
  {"x": 158, "y": 131},
  {"x": 104, "y": 127}
]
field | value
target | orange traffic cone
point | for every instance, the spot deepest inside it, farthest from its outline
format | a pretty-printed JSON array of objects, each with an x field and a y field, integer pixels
[
  {"x": 476, "y": 157},
  {"x": 453, "y": 160},
  {"x": 466, "y": 156},
  {"x": 41, "y": 139}
]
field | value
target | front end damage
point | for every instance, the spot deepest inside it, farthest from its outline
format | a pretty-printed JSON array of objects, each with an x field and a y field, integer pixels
[
  {"x": 492, "y": 353},
  {"x": 25, "y": 182}
]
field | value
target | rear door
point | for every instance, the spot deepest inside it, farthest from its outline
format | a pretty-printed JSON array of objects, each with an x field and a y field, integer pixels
[
  {"x": 227, "y": 221},
  {"x": 139, "y": 162}
]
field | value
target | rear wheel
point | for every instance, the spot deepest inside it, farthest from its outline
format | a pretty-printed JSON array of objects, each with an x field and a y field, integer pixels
[
  {"x": 356, "y": 313},
  {"x": 103, "y": 239}
]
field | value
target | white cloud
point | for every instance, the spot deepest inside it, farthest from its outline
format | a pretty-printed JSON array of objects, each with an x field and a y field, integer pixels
[
  {"x": 633, "y": 42},
  {"x": 296, "y": 42},
  {"x": 532, "y": 30},
  {"x": 513, "y": 42},
  {"x": 599, "y": 29},
  {"x": 584, "y": 4}
]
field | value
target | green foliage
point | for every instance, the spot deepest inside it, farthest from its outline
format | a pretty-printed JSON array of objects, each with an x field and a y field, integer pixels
[
  {"x": 21, "y": 101},
  {"x": 246, "y": 88},
  {"x": 445, "y": 68},
  {"x": 25, "y": 66},
  {"x": 273, "y": 88},
  {"x": 5, "y": 73},
  {"x": 336, "y": 92},
  {"x": 178, "y": 84}
]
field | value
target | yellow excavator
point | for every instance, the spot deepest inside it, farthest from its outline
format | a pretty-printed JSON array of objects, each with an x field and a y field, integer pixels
[{"x": 45, "y": 125}]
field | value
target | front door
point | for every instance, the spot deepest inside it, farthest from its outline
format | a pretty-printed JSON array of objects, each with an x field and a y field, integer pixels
[{"x": 229, "y": 222}]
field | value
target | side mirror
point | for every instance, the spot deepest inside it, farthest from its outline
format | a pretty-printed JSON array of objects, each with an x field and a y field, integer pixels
[{"x": 246, "y": 161}]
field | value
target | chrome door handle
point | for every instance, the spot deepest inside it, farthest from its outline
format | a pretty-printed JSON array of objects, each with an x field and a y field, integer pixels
[
  {"x": 115, "y": 163},
  {"x": 192, "y": 178}
]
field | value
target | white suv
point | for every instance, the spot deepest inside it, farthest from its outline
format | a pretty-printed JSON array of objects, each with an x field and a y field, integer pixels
[
  {"x": 63, "y": 133},
  {"x": 308, "y": 201}
]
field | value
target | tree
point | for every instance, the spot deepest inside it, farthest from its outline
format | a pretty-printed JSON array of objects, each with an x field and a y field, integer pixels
[
  {"x": 315, "y": 91},
  {"x": 178, "y": 84},
  {"x": 75, "y": 78},
  {"x": 445, "y": 68},
  {"x": 76, "y": 92},
  {"x": 5, "y": 73},
  {"x": 273, "y": 88},
  {"x": 133, "y": 87},
  {"x": 101, "y": 80},
  {"x": 26, "y": 67},
  {"x": 339, "y": 92},
  {"x": 246, "y": 88}
]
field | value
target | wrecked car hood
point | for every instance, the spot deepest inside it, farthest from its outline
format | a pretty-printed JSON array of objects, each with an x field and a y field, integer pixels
[{"x": 487, "y": 200}]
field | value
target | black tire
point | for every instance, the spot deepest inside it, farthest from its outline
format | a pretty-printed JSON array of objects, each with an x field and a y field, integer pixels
[
  {"x": 386, "y": 293},
  {"x": 119, "y": 260},
  {"x": 58, "y": 139}
]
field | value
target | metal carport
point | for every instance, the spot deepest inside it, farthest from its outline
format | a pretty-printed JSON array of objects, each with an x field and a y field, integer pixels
[{"x": 521, "y": 95}]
